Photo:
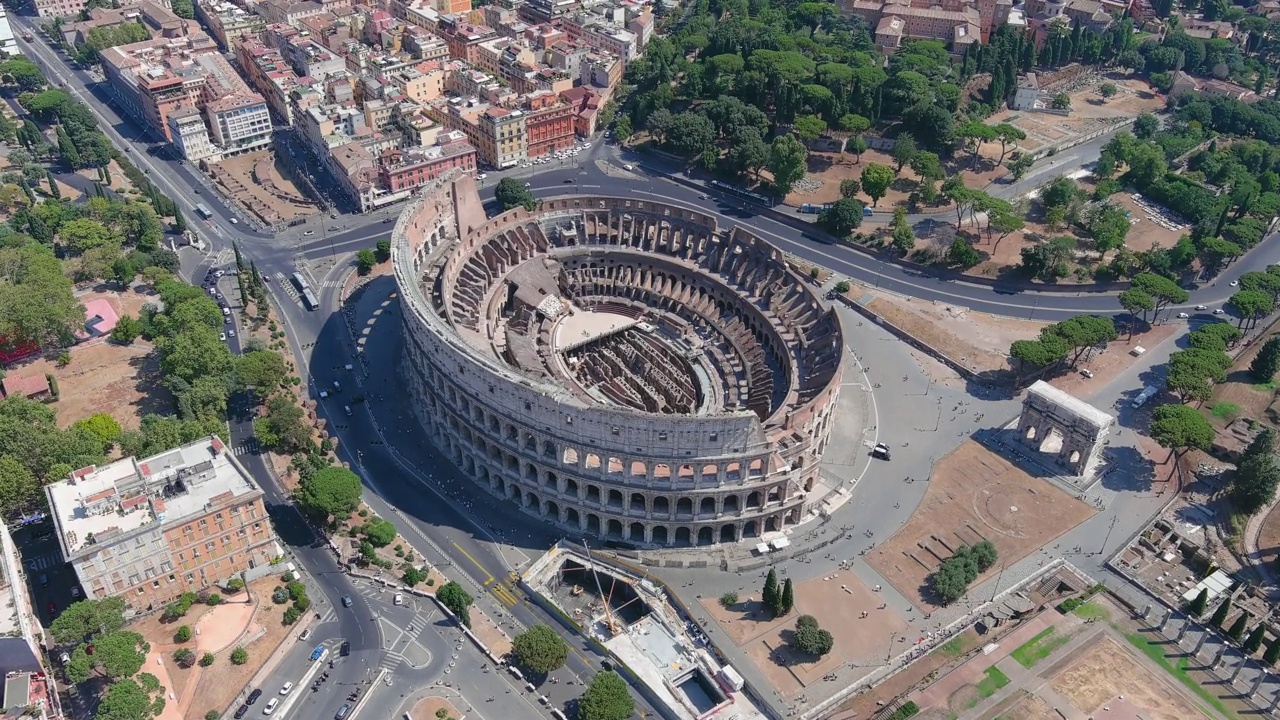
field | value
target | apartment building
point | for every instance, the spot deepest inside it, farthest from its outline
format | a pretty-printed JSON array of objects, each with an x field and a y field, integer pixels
[
  {"x": 464, "y": 38},
  {"x": 239, "y": 123},
  {"x": 404, "y": 170},
  {"x": 191, "y": 137},
  {"x": 228, "y": 22},
  {"x": 585, "y": 103},
  {"x": 289, "y": 12},
  {"x": 604, "y": 34},
  {"x": 600, "y": 70},
  {"x": 28, "y": 687},
  {"x": 156, "y": 77},
  {"x": 959, "y": 22},
  {"x": 268, "y": 74},
  {"x": 149, "y": 530},
  {"x": 549, "y": 124}
]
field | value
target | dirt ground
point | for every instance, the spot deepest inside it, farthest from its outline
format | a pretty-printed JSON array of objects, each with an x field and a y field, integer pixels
[
  {"x": 427, "y": 707},
  {"x": 973, "y": 495},
  {"x": 898, "y": 685},
  {"x": 840, "y": 602},
  {"x": 1106, "y": 671},
  {"x": 1089, "y": 112},
  {"x": 1024, "y": 706},
  {"x": 259, "y": 183},
  {"x": 123, "y": 381},
  {"x": 1108, "y": 364},
  {"x": 827, "y": 170},
  {"x": 976, "y": 340},
  {"x": 216, "y": 689}
]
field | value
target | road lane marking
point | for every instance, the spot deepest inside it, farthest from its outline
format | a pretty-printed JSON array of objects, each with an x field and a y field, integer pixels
[
  {"x": 475, "y": 562},
  {"x": 505, "y": 595}
]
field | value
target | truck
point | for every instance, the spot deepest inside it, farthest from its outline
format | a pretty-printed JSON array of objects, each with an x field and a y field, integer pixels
[{"x": 204, "y": 211}]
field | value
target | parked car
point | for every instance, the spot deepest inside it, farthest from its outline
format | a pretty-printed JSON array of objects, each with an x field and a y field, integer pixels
[
  {"x": 240, "y": 711},
  {"x": 253, "y": 697}
]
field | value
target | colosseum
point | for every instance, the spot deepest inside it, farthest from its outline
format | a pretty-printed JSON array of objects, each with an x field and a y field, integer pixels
[{"x": 628, "y": 370}]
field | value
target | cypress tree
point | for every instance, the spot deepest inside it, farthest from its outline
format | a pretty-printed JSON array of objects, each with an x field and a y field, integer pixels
[
  {"x": 769, "y": 597},
  {"x": 1254, "y": 641},
  {"x": 54, "y": 192},
  {"x": 1237, "y": 627},
  {"x": 1273, "y": 652},
  {"x": 1198, "y": 605},
  {"x": 1220, "y": 615},
  {"x": 788, "y": 599}
]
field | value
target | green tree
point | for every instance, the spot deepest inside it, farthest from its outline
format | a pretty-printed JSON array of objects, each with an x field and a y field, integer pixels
[
  {"x": 452, "y": 596},
  {"x": 334, "y": 491},
  {"x": 239, "y": 656},
  {"x": 141, "y": 699},
  {"x": 365, "y": 260},
  {"x": 1160, "y": 288},
  {"x": 1061, "y": 101},
  {"x": 119, "y": 655},
  {"x": 19, "y": 488},
  {"x": 809, "y": 127},
  {"x": 512, "y": 193},
  {"x": 1135, "y": 300},
  {"x": 876, "y": 179},
  {"x": 787, "y": 601},
  {"x": 383, "y": 250},
  {"x": 284, "y": 427},
  {"x": 207, "y": 659},
  {"x": 1220, "y": 613},
  {"x": 769, "y": 596},
  {"x": 88, "y": 619},
  {"x": 788, "y": 162},
  {"x": 1254, "y": 641},
  {"x": 184, "y": 656},
  {"x": 842, "y": 217},
  {"x": 1253, "y": 485},
  {"x": 1236, "y": 631},
  {"x": 1020, "y": 164},
  {"x": 126, "y": 330},
  {"x": 540, "y": 649},
  {"x": 849, "y": 188},
  {"x": 102, "y": 427},
  {"x": 1107, "y": 90},
  {"x": 1267, "y": 362},
  {"x": 1108, "y": 225},
  {"x": 1180, "y": 428},
  {"x": 1197, "y": 606},
  {"x": 963, "y": 254},
  {"x": 1251, "y": 306},
  {"x": 183, "y": 9},
  {"x": 261, "y": 369},
  {"x": 37, "y": 306},
  {"x": 811, "y": 639},
  {"x": 904, "y": 151},
  {"x": 1273, "y": 652},
  {"x": 379, "y": 532},
  {"x": 606, "y": 698}
]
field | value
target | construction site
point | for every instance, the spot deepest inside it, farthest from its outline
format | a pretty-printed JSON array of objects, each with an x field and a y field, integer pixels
[{"x": 656, "y": 645}]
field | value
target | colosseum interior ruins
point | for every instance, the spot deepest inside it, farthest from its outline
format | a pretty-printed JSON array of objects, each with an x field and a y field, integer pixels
[{"x": 628, "y": 370}]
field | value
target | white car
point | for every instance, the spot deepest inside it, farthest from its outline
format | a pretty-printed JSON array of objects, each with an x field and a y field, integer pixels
[
  {"x": 222, "y": 337},
  {"x": 1183, "y": 315},
  {"x": 1235, "y": 283},
  {"x": 398, "y": 599},
  {"x": 1202, "y": 307},
  {"x": 231, "y": 333},
  {"x": 235, "y": 221},
  {"x": 284, "y": 690},
  {"x": 271, "y": 706},
  {"x": 481, "y": 176},
  {"x": 1219, "y": 311}
]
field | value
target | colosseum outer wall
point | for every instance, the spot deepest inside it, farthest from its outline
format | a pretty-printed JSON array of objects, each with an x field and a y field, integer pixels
[{"x": 659, "y": 480}]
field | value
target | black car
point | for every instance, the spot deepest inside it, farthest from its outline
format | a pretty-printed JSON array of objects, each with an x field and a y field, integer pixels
[
  {"x": 240, "y": 711},
  {"x": 253, "y": 697},
  {"x": 345, "y": 650}
]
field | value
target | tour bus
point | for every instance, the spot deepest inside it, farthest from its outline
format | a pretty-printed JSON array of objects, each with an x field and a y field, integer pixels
[{"x": 204, "y": 211}]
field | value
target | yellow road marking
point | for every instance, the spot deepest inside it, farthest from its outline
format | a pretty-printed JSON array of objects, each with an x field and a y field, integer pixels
[
  {"x": 505, "y": 595},
  {"x": 475, "y": 562}
]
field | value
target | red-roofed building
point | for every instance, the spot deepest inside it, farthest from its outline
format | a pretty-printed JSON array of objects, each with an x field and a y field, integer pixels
[{"x": 32, "y": 387}]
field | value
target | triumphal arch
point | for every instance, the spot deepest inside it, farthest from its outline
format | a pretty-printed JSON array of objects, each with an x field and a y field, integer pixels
[{"x": 1056, "y": 422}]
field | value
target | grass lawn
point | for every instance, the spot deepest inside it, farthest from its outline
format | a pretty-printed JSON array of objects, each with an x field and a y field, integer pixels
[
  {"x": 994, "y": 680},
  {"x": 1039, "y": 647},
  {"x": 1179, "y": 671},
  {"x": 1092, "y": 611},
  {"x": 955, "y": 647}
]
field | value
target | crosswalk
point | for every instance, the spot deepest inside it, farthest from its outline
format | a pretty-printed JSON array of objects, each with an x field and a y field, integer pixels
[
  {"x": 250, "y": 446},
  {"x": 44, "y": 562},
  {"x": 390, "y": 661}
]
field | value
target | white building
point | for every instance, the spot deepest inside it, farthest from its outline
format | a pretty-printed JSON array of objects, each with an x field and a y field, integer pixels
[
  {"x": 1027, "y": 94},
  {"x": 239, "y": 123},
  {"x": 191, "y": 137}
]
